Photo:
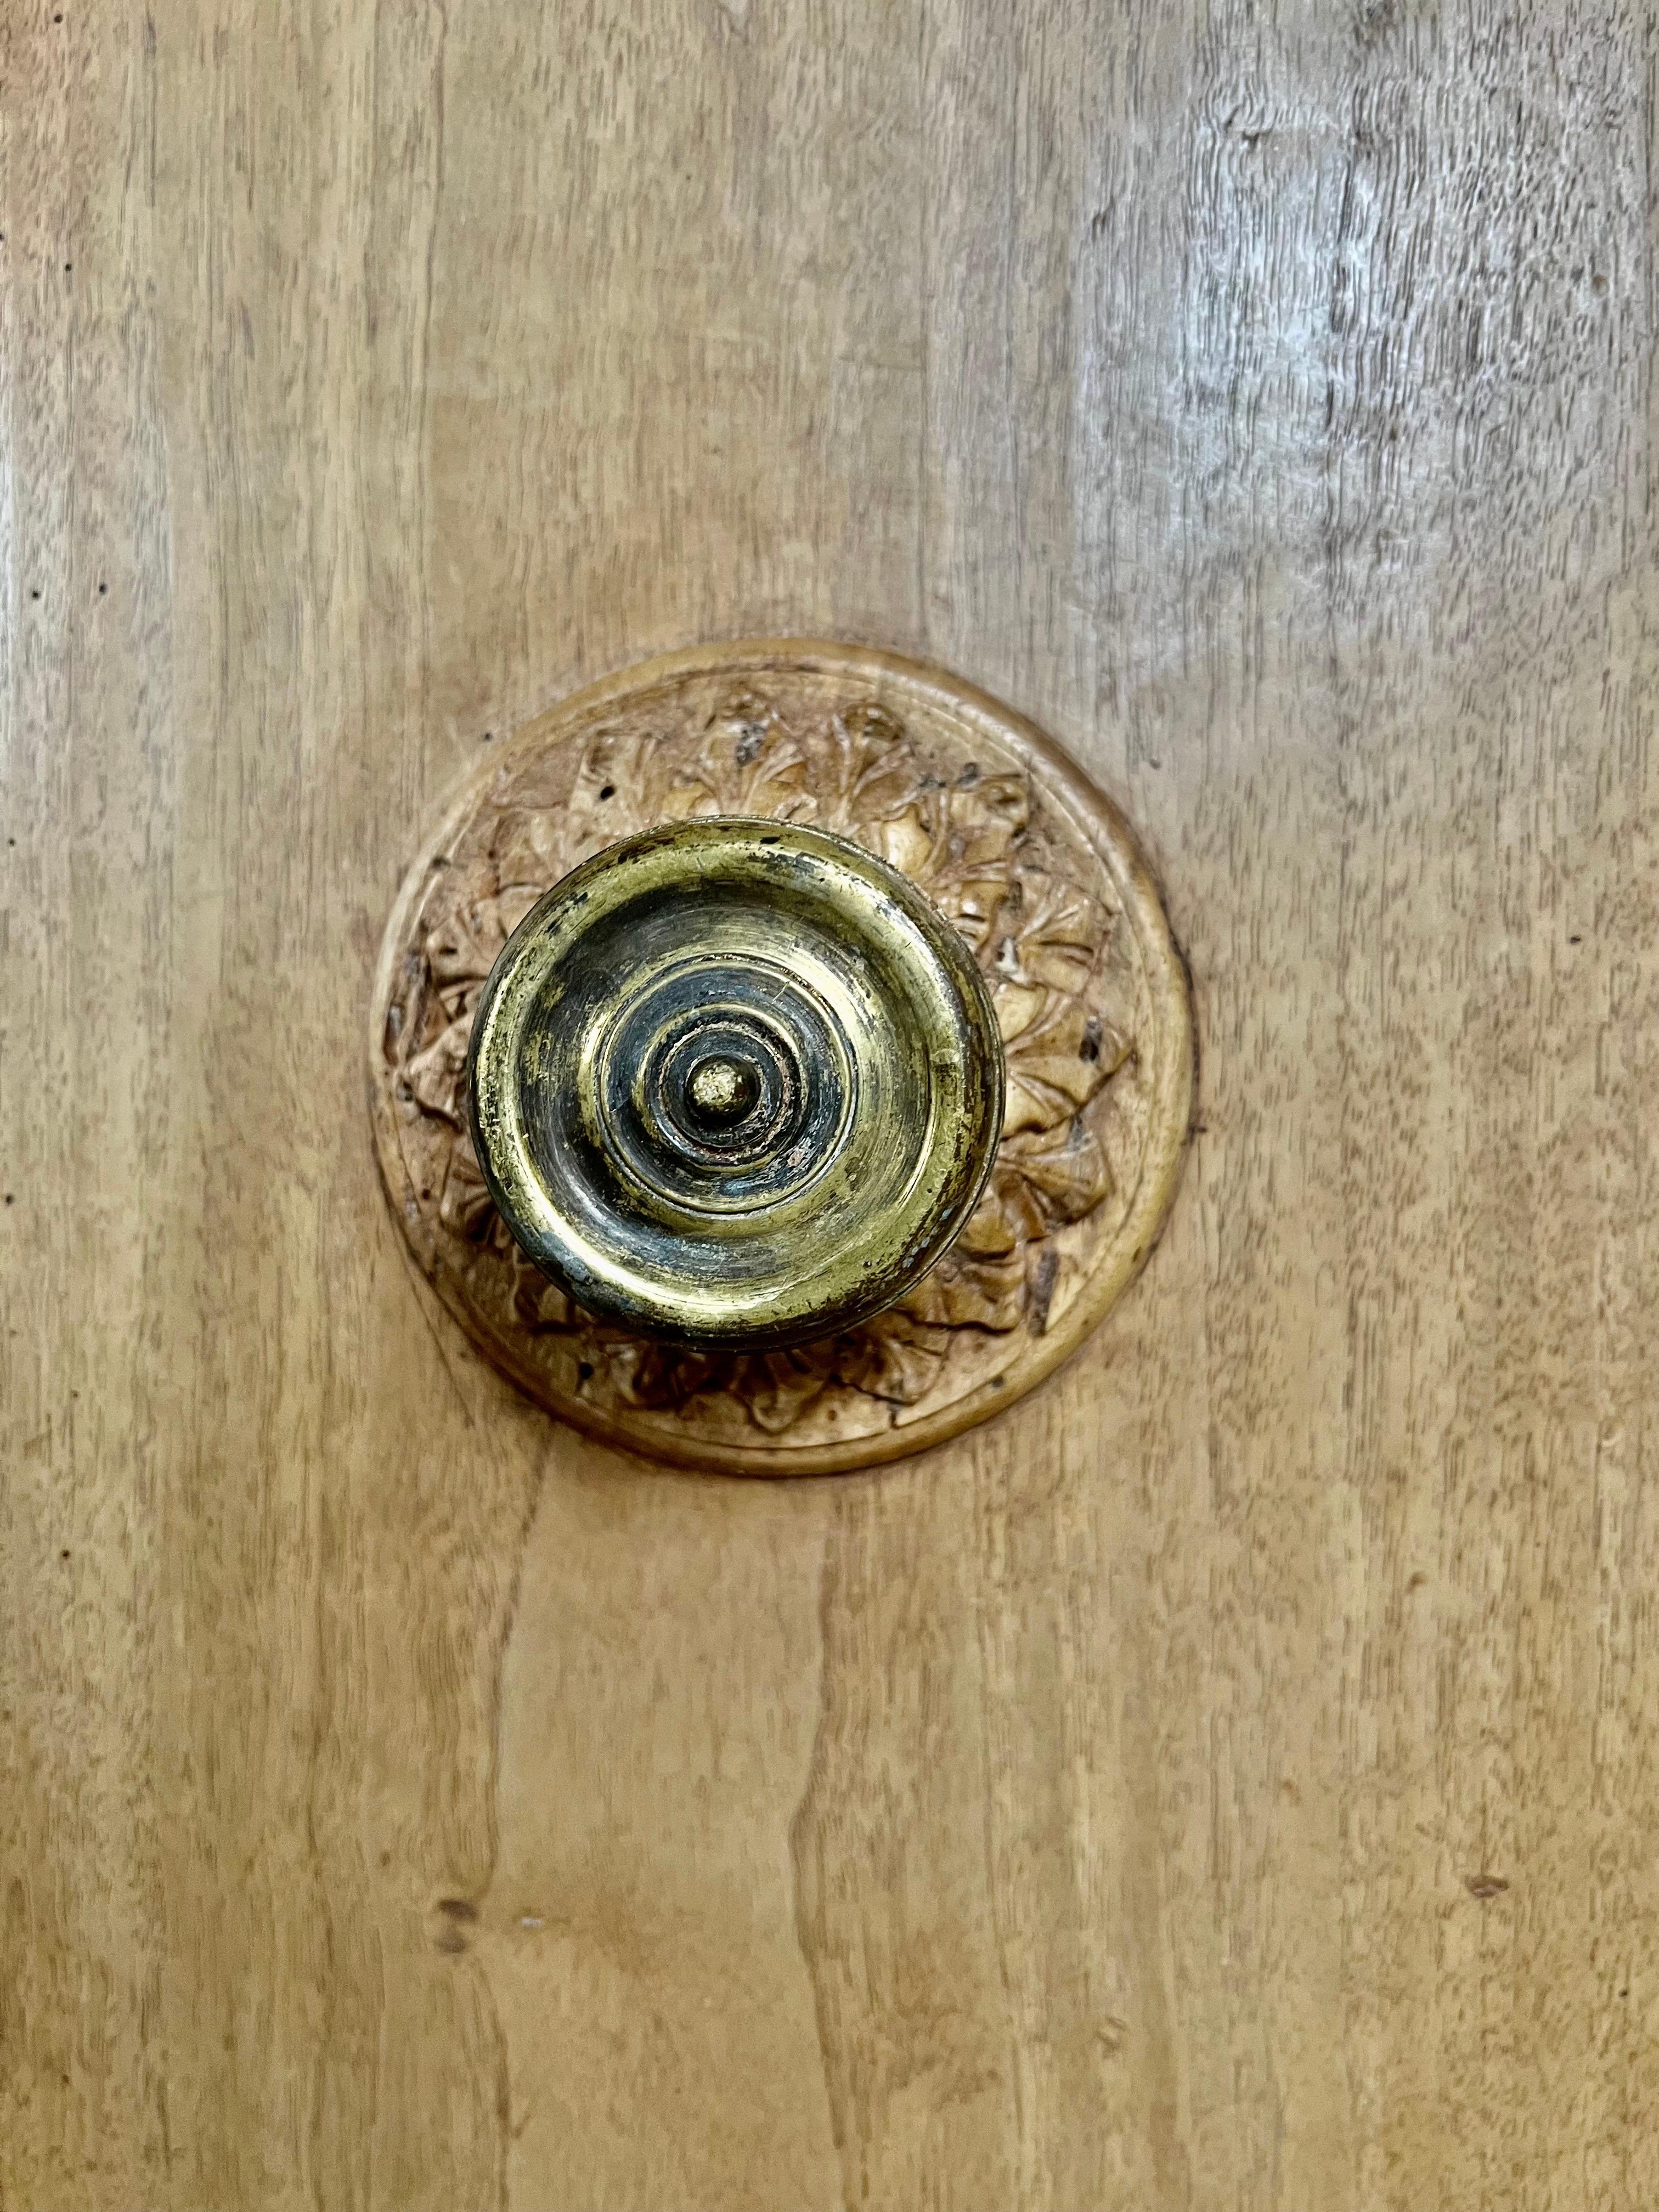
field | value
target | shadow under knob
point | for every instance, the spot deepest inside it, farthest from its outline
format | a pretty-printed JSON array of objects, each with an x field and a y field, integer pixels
[{"x": 735, "y": 1082}]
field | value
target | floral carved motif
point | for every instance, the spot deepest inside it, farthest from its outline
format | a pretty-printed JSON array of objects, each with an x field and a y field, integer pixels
[{"x": 968, "y": 822}]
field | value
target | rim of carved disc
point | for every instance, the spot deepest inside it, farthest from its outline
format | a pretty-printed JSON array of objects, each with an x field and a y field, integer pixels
[{"x": 1088, "y": 810}]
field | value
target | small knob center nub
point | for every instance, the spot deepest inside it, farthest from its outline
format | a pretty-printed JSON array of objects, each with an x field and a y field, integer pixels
[{"x": 721, "y": 1092}]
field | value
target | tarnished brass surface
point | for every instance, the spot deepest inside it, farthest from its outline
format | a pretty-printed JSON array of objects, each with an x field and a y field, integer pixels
[{"x": 736, "y": 1082}]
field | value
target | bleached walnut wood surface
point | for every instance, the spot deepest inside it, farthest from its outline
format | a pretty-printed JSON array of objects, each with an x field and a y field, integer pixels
[{"x": 1226, "y": 1783}]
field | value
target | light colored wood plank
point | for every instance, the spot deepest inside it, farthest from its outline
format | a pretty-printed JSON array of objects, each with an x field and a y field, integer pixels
[{"x": 405, "y": 1804}]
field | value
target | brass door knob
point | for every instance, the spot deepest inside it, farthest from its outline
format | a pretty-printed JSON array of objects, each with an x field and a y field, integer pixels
[{"x": 736, "y": 1083}]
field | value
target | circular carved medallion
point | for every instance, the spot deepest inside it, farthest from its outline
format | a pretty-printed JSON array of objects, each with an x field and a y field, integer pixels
[{"x": 1038, "y": 873}]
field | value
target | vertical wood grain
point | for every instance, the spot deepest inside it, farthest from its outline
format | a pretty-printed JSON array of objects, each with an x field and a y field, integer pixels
[{"x": 1229, "y": 1779}]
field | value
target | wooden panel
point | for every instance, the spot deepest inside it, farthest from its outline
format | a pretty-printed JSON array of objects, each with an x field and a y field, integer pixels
[{"x": 1228, "y": 1781}]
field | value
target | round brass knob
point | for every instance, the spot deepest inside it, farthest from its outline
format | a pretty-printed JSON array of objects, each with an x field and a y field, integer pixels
[{"x": 736, "y": 1083}]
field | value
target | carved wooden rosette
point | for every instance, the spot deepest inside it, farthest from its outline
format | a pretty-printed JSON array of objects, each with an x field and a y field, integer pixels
[{"x": 1039, "y": 872}]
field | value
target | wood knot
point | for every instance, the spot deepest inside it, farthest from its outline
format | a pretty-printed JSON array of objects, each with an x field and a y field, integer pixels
[
  {"x": 1484, "y": 1886},
  {"x": 455, "y": 1916}
]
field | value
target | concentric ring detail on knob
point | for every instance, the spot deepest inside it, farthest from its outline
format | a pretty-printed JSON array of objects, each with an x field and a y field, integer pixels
[{"x": 735, "y": 1082}]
